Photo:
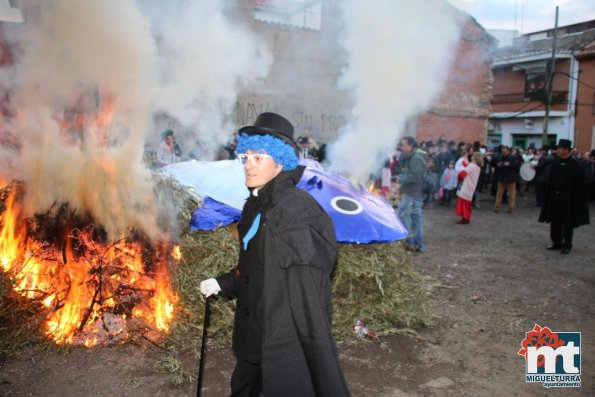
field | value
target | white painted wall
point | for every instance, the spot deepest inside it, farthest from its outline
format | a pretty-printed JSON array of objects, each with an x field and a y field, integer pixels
[{"x": 556, "y": 125}]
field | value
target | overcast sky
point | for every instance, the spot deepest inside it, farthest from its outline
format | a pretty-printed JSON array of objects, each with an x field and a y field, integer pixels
[{"x": 527, "y": 15}]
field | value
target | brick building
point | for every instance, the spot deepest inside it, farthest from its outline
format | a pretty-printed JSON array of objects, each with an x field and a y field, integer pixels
[
  {"x": 462, "y": 109},
  {"x": 520, "y": 86}
]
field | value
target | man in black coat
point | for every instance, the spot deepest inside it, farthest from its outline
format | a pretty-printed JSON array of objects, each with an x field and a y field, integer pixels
[
  {"x": 282, "y": 334},
  {"x": 566, "y": 206},
  {"x": 542, "y": 174},
  {"x": 591, "y": 173},
  {"x": 507, "y": 167}
]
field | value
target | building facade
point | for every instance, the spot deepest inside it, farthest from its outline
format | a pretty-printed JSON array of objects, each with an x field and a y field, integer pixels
[
  {"x": 308, "y": 62},
  {"x": 521, "y": 82}
]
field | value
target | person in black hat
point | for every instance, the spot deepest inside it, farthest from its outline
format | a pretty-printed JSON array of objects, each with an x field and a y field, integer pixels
[
  {"x": 565, "y": 206},
  {"x": 282, "y": 335}
]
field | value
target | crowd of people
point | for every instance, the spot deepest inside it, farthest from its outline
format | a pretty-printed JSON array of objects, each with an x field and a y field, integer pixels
[
  {"x": 442, "y": 171},
  {"x": 438, "y": 171},
  {"x": 168, "y": 150}
]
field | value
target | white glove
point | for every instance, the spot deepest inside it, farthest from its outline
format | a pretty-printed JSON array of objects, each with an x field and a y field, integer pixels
[{"x": 209, "y": 287}]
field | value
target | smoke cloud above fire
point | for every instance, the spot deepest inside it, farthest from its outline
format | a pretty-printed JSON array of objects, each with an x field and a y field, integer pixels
[
  {"x": 398, "y": 54},
  {"x": 86, "y": 82},
  {"x": 203, "y": 58}
]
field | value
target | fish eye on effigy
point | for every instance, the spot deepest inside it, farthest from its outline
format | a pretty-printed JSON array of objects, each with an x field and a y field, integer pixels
[{"x": 346, "y": 205}]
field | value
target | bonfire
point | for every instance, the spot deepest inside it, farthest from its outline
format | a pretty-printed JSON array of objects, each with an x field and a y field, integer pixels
[{"x": 93, "y": 292}]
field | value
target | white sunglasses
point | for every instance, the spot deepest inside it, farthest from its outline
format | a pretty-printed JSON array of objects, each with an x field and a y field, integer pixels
[{"x": 257, "y": 159}]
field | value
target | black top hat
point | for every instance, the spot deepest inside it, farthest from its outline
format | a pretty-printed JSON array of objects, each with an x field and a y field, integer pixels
[
  {"x": 565, "y": 143},
  {"x": 272, "y": 124}
]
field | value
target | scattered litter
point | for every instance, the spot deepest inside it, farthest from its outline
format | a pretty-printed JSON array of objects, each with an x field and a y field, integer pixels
[{"x": 361, "y": 331}]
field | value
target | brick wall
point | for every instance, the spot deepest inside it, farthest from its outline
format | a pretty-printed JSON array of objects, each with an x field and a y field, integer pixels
[
  {"x": 462, "y": 109},
  {"x": 585, "y": 116},
  {"x": 468, "y": 129}
]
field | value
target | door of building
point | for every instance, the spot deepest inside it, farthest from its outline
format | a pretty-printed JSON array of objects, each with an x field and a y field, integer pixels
[
  {"x": 523, "y": 141},
  {"x": 519, "y": 141}
]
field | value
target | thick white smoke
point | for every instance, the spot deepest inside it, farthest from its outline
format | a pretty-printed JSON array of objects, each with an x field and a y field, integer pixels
[
  {"x": 77, "y": 62},
  {"x": 87, "y": 79},
  {"x": 203, "y": 56},
  {"x": 398, "y": 53}
]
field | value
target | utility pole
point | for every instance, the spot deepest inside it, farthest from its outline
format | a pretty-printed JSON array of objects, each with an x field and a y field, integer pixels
[{"x": 550, "y": 83}]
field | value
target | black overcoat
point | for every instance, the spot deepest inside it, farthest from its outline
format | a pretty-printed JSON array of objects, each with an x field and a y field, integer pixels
[
  {"x": 283, "y": 290},
  {"x": 566, "y": 198}
]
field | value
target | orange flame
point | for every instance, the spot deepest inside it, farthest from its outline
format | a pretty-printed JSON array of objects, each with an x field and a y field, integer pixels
[
  {"x": 106, "y": 111},
  {"x": 176, "y": 253},
  {"x": 163, "y": 302},
  {"x": 88, "y": 118},
  {"x": 90, "y": 290},
  {"x": 10, "y": 238}
]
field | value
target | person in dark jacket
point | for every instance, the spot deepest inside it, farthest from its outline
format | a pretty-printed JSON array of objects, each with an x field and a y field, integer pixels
[
  {"x": 542, "y": 174},
  {"x": 507, "y": 167},
  {"x": 588, "y": 165},
  {"x": 282, "y": 335},
  {"x": 443, "y": 159},
  {"x": 592, "y": 172},
  {"x": 411, "y": 179},
  {"x": 566, "y": 206}
]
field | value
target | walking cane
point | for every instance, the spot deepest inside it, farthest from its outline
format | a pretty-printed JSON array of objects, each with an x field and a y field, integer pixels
[{"x": 203, "y": 346}]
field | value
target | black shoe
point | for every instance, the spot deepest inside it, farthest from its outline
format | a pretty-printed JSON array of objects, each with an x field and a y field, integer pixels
[
  {"x": 565, "y": 250},
  {"x": 554, "y": 247}
]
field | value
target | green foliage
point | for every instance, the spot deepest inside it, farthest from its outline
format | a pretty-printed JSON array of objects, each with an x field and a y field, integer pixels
[
  {"x": 377, "y": 283},
  {"x": 170, "y": 363},
  {"x": 205, "y": 254}
]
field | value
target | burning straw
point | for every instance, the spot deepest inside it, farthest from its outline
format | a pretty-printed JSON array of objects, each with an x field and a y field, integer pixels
[
  {"x": 19, "y": 319},
  {"x": 88, "y": 291}
]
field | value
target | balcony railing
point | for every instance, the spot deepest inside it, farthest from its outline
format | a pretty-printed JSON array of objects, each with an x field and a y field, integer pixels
[{"x": 539, "y": 96}]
